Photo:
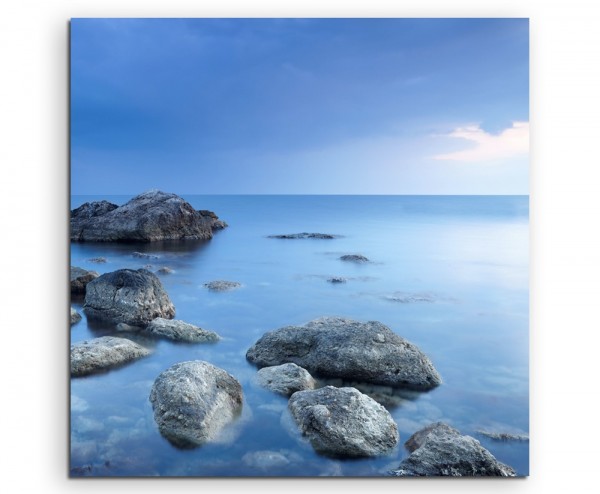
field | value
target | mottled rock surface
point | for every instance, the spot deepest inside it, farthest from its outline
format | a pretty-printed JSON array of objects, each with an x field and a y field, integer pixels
[
  {"x": 88, "y": 357},
  {"x": 222, "y": 285},
  {"x": 75, "y": 316},
  {"x": 337, "y": 347},
  {"x": 193, "y": 401},
  {"x": 151, "y": 216},
  {"x": 440, "y": 450},
  {"x": 180, "y": 331},
  {"x": 325, "y": 236},
  {"x": 354, "y": 258},
  {"x": 285, "y": 379},
  {"x": 343, "y": 422},
  {"x": 80, "y": 278},
  {"x": 504, "y": 436},
  {"x": 134, "y": 297}
]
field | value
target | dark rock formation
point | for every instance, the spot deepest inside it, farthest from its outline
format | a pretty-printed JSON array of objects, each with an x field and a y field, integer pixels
[
  {"x": 153, "y": 215},
  {"x": 336, "y": 347},
  {"x": 222, "y": 285},
  {"x": 80, "y": 278},
  {"x": 128, "y": 296},
  {"x": 336, "y": 279},
  {"x": 440, "y": 450},
  {"x": 180, "y": 331},
  {"x": 305, "y": 235},
  {"x": 343, "y": 422},
  {"x": 354, "y": 258},
  {"x": 285, "y": 379},
  {"x": 193, "y": 401},
  {"x": 75, "y": 316},
  {"x": 88, "y": 357}
]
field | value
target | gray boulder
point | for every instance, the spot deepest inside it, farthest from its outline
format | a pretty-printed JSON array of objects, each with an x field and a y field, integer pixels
[
  {"x": 99, "y": 354},
  {"x": 285, "y": 379},
  {"x": 193, "y": 401},
  {"x": 334, "y": 347},
  {"x": 354, "y": 258},
  {"x": 504, "y": 436},
  {"x": 440, "y": 450},
  {"x": 75, "y": 316},
  {"x": 222, "y": 285},
  {"x": 80, "y": 278},
  {"x": 165, "y": 270},
  {"x": 343, "y": 422},
  {"x": 151, "y": 216},
  {"x": 325, "y": 236},
  {"x": 128, "y": 296},
  {"x": 180, "y": 331}
]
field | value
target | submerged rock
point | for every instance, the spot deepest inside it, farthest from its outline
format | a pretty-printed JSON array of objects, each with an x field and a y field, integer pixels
[
  {"x": 88, "y": 357},
  {"x": 180, "y": 331},
  {"x": 80, "y": 278},
  {"x": 285, "y": 379},
  {"x": 193, "y": 401},
  {"x": 354, "y": 258},
  {"x": 165, "y": 270},
  {"x": 143, "y": 255},
  {"x": 337, "y": 279},
  {"x": 409, "y": 298},
  {"x": 504, "y": 436},
  {"x": 343, "y": 422},
  {"x": 98, "y": 260},
  {"x": 337, "y": 347},
  {"x": 305, "y": 235},
  {"x": 222, "y": 285},
  {"x": 440, "y": 450},
  {"x": 75, "y": 316},
  {"x": 151, "y": 216},
  {"x": 269, "y": 459},
  {"x": 128, "y": 296}
]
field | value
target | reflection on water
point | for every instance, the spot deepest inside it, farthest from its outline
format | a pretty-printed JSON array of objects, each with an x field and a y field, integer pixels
[{"x": 467, "y": 254}]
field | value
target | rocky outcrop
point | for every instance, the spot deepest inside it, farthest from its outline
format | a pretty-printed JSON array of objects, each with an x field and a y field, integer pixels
[
  {"x": 440, "y": 450},
  {"x": 180, "y": 331},
  {"x": 99, "y": 354},
  {"x": 325, "y": 236},
  {"x": 334, "y": 347},
  {"x": 75, "y": 316},
  {"x": 80, "y": 278},
  {"x": 285, "y": 379},
  {"x": 151, "y": 216},
  {"x": 343, "y": 422},
  {"x": 193, "y": 401},
  {"x": 222, "y": 285},
  {"x": 358, "y": 258},
  {"x": 128, "y": 296}
]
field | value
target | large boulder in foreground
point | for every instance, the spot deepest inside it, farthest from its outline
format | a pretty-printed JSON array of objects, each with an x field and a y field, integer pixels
[
  {"x": 440, "y": 450},
  {"x": 133, "y": 297},
  {"x": 193, "y": 401},
  {"x": 334, "y": 347},
  {"x": 285, "y": 379},
  {"x": 100, "y": 354},
  {"x": 151, "y": 216},
  {"x": 343, "y": 422},
  {"x": 80, "y": 278},
  {"x": 180, "y": 331}
]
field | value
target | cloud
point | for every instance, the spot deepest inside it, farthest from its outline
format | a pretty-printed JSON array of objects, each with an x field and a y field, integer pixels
[{"x": 508, "y": 143}]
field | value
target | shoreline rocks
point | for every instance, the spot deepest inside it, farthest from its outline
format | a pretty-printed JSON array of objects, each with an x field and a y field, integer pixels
[
  {"x": 80, "y": 278},
  {"x": 325, "y": 236},
  {"x": 441, "y": 450},
  {"x": 99, "y": 354},
  {"x": 285, "y": 379},
  {"x": 148, "y": 217},
  {"x": 222, "y": 285},
  {"x": 180, "y": 331},
  {"x": 133, "y": 297},
  {"x": 358, "y": 258},
  {"x": 343, "y": 422},
  {"x": 334, "y": 347},
  {"x": 193, "y": 401}
]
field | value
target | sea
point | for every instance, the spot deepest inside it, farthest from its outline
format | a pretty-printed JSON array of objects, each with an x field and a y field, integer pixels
[{"x": 447, "y": 273}]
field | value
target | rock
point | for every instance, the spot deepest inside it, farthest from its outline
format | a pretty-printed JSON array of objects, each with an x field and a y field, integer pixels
[
  {"x": 354, "y": 258},
  {"x": 151, "y": 216},
  {"x": 193, "y": 401},
  {"x": 333, "y": 347},
  {"x": 80, "y": 278},
  {"x": 343, "y": 422},
  {"x": 88, "y": 357},
  {"x": 440, "y": 450},
  {"x": 337, "y": 279},
  {"x": 504, "y": 436},
  {"x": 409, "y": 298},
  {"x": 285, "y": 379},
  {"x": 222, "y": 285},
  {"x": 305, "y": 235},
  {"x": 180, "y": 331},
  {"x": 165, "y": 270},
  {"x": 265, "y": 459},
  {"x": 128, "y": 296},
  {"x": 98, "y": 260},
  {"x": 128, "y": 328},
  {"x": 143, "y": 255},
  {"x": 75, "y": 316}
]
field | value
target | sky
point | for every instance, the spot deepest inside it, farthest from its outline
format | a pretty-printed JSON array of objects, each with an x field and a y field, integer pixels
[{"x": 300, "y": 106}]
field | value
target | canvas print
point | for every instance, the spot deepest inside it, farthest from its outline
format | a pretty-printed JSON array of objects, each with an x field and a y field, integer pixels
[{"x": 299, "y": 247}]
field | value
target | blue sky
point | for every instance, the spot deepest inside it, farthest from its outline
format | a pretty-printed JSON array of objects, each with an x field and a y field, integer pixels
[{"x": 300, "y": 106}]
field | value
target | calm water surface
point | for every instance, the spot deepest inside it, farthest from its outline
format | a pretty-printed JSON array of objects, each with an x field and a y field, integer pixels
[{"x": 463, "y": 258}]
